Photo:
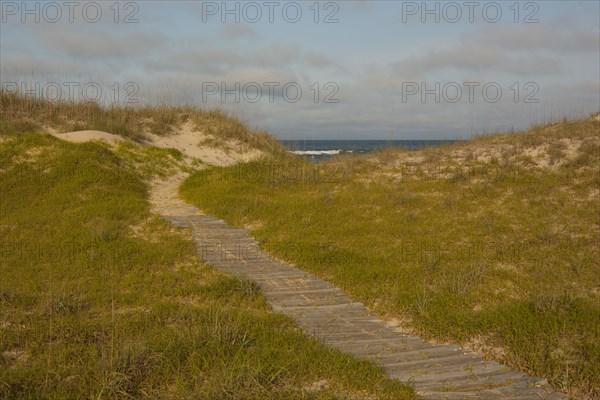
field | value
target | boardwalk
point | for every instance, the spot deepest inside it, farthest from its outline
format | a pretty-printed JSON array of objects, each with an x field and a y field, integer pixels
[{"x": 437, "y": 371}]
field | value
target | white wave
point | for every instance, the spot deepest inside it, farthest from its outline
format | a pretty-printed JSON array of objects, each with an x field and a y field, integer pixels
[{"x": 316, "y": 152}]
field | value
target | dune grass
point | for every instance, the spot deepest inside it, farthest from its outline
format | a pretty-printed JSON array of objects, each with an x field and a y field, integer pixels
[
  {"x": 492, "y": 243},
  {"x": 21, "y": 113},
  {"x": 100, "y": 299}
]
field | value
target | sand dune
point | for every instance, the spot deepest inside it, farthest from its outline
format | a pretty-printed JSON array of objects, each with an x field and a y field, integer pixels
[
  {"x": 87, "y": 136},
  {"x": 186, "y": 139}
]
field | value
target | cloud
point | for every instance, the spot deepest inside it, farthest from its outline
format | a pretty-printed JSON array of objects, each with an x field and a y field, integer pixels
[
  {"x": 210, "y": 60},
  {"x": 528, "y": 50},
  {"x": 319, "y": 60},
  {"x": 568, "y": 38},
  {"x": 238, "y": 31},
  {"x": 482, "y": 58},
  {"x": 361, "y": 5},
  {"x": 221, "y": 60},
  {"x": 91, "y": 44},
  {"x": 28, "y": 66}
]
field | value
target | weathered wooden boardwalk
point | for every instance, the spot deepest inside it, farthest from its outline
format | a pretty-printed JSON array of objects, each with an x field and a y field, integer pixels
[{"x": 437, "y": 371}]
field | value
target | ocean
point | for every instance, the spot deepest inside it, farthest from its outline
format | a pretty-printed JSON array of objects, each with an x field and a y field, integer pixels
[{"x": 321, "y": 150}]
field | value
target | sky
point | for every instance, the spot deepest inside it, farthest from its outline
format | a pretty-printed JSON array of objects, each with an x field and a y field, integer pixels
[{"x": 317, "y": 69}]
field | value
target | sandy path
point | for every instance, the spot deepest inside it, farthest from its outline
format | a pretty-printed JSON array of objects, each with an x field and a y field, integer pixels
[{"x": 165, "y": 200}]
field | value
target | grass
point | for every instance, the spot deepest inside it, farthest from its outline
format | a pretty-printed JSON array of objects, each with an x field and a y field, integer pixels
[
  {"x": 100, "y": 299},
  {"x": 492, "y": 243},
  {"x": 151, "y": 162},
  {"x": 21, "y": 113}
]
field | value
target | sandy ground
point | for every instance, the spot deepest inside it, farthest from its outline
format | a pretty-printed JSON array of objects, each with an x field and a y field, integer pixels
[
  {"x": 164, "y": 197},
  {"x": 87, "y": 136},
  {"x": 188, "y": 140}
]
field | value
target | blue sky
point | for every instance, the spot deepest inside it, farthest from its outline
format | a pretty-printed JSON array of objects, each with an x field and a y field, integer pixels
[{"x": 374, "y": 60}]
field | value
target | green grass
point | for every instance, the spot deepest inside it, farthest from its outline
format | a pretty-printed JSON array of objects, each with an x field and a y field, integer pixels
[
  {"x": 100, "y": 299},
  {"x": 501, "y": 254},
  {"x": 151, "y": 161}
]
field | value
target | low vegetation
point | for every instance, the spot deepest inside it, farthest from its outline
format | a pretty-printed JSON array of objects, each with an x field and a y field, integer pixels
[
  {"x": 19, "y": 113},
  {"x": 492, "y": 242},
  {"x": 100, "y": 299}
]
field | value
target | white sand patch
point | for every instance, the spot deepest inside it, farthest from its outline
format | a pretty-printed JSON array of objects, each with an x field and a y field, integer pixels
[
  {"x": 188, "y": 140},
  {"x": 87, "y": 136}
]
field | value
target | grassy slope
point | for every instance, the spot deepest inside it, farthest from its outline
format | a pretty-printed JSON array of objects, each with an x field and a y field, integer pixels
[
  {"x": 497, "y": 253},
  {"x": 27, "y": 114},
  {"x": 100, "y": 299}
]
